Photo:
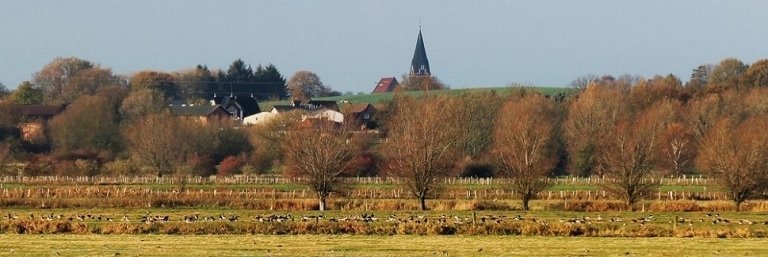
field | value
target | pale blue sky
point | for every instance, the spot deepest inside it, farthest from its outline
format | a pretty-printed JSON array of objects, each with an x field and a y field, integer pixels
[{"x": 351, "y": 44}]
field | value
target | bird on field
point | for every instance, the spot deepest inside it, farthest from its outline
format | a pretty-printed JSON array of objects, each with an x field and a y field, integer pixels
[
  {"x": 367, "y": 218},
  {"x": 191, "y": 218}
]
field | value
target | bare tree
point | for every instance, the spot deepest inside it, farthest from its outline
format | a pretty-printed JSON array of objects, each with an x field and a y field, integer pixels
[
  {"x": 677, "y": 149},
  {"x": 589, "y": 117},
  {"x": 523, "y": 138},
  {"x": 627, "y": 154},
  {"x": 90, "y": 124},
  {"x": 736, "y": 157},
  {"x": 320, "y": 153},
  {"x": 582, "y": 82},
  {"x": 421, "y": 82},
  {"x": 421, "y": 147},
  {"x": 155, "y": 141},
  {"x": 267, "y": 139},
  {"x": 140, "y": 103}
]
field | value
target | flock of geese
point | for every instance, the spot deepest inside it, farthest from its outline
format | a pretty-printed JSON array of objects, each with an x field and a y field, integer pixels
[{"x": 712, "y": 218}]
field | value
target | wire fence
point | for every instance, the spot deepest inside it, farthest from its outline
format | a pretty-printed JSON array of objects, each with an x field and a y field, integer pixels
[{"x": 261, "y": 180}]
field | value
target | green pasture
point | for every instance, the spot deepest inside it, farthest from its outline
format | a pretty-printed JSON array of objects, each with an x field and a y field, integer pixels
[
  {"x": 755, "y": 220},
  {"x": 386, "y": 97},
  {"x": 340, "y": 245}
]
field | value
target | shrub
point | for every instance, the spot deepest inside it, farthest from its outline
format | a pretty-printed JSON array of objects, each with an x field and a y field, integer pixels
[
  {"x": 229, "y": 166},
  {"x": 200, "y": 165},
  {"x": 484, "y": 205},
  {"x": 121, "y": 168}
]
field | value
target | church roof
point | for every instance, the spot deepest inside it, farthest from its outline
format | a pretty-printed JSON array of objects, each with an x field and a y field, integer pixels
[{"x": 420, "y": 63}]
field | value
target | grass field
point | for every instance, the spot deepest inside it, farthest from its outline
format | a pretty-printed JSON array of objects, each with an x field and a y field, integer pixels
[
  {"x": 401, "y": 246},
  {"x": 385, "y": 97}
]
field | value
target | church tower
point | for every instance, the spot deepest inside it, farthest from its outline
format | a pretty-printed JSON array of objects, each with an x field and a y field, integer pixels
[{"x": 420, "y": 63}]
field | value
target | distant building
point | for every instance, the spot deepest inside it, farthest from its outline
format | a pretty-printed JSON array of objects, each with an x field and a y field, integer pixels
[
  {"x": 420, "y": 63},
  {"x": 360, "y": 114},
  {"x": 237, "y": 106},
  {"x": 202, "y": 113},
  {"x": 386, "y": 85},
  {"x": 34, "y": 120}
]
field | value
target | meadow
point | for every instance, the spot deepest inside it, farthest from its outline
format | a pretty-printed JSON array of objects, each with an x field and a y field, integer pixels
[
  {"x": 386, "y": 97},
  {"x": 274, "y": 216},
  {"x": 345, "y": 245}
]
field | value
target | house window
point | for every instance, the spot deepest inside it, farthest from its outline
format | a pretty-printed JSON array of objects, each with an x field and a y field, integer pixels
[{"x": 367, "y": 116}]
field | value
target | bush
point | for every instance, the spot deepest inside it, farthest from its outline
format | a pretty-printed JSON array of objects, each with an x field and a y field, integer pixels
[
  {"x": 121, "y": 168},
  {"x": 490, "y": 206},
  {"x": 229, "y": 166},
  {"x": 200, "y": 165}
]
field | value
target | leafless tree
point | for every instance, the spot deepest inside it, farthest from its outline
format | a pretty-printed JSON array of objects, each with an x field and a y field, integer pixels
[
  {"x": 320, "y": 153},
  {"x": 523, "y": 138},
  {"x": 421, "y": 83},
  {"x": 421, "y": 147},
  {"x": 677, "y": 148},
  {"x": 582, "y": 82},
  {"x": 155, "y": 141},
  {"x": 736, "y": 157},
  {"x": 626, "y": 155},
  {"x": 590, "y": 116}
]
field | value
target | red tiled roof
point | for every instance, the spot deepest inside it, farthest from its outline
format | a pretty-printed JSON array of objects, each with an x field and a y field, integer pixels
[{"x": 386, "y": 85}]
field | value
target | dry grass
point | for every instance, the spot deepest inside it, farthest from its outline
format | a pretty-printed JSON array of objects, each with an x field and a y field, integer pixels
[{"x": 374, "y": 246}]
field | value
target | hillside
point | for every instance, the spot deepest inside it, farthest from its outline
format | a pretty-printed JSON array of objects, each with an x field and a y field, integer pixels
[{"x": 385, "y": 97}]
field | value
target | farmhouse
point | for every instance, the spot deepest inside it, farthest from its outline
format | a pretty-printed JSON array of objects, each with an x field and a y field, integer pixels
[
  {"x": 385, "y": 85},
  {"x": 360, "y": 115},
  {"x": 313, "y": 109},
  {"x": 202, "y": 113},
  {"x": 238, "y": 106},
  {"x": 34, "y": 120},
  {"x": 221, "y": 108}
]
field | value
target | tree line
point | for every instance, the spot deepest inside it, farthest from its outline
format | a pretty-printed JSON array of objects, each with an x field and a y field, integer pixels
[
  {"x": 626, "y": 129},
  {"x": 64, "y": 80}
]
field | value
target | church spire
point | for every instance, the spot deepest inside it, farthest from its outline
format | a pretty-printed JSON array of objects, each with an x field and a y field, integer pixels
[{"x": 420, "y": 63}]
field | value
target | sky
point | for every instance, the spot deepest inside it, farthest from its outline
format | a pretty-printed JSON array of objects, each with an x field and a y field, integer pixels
[{"x": 351, "y": 44}]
